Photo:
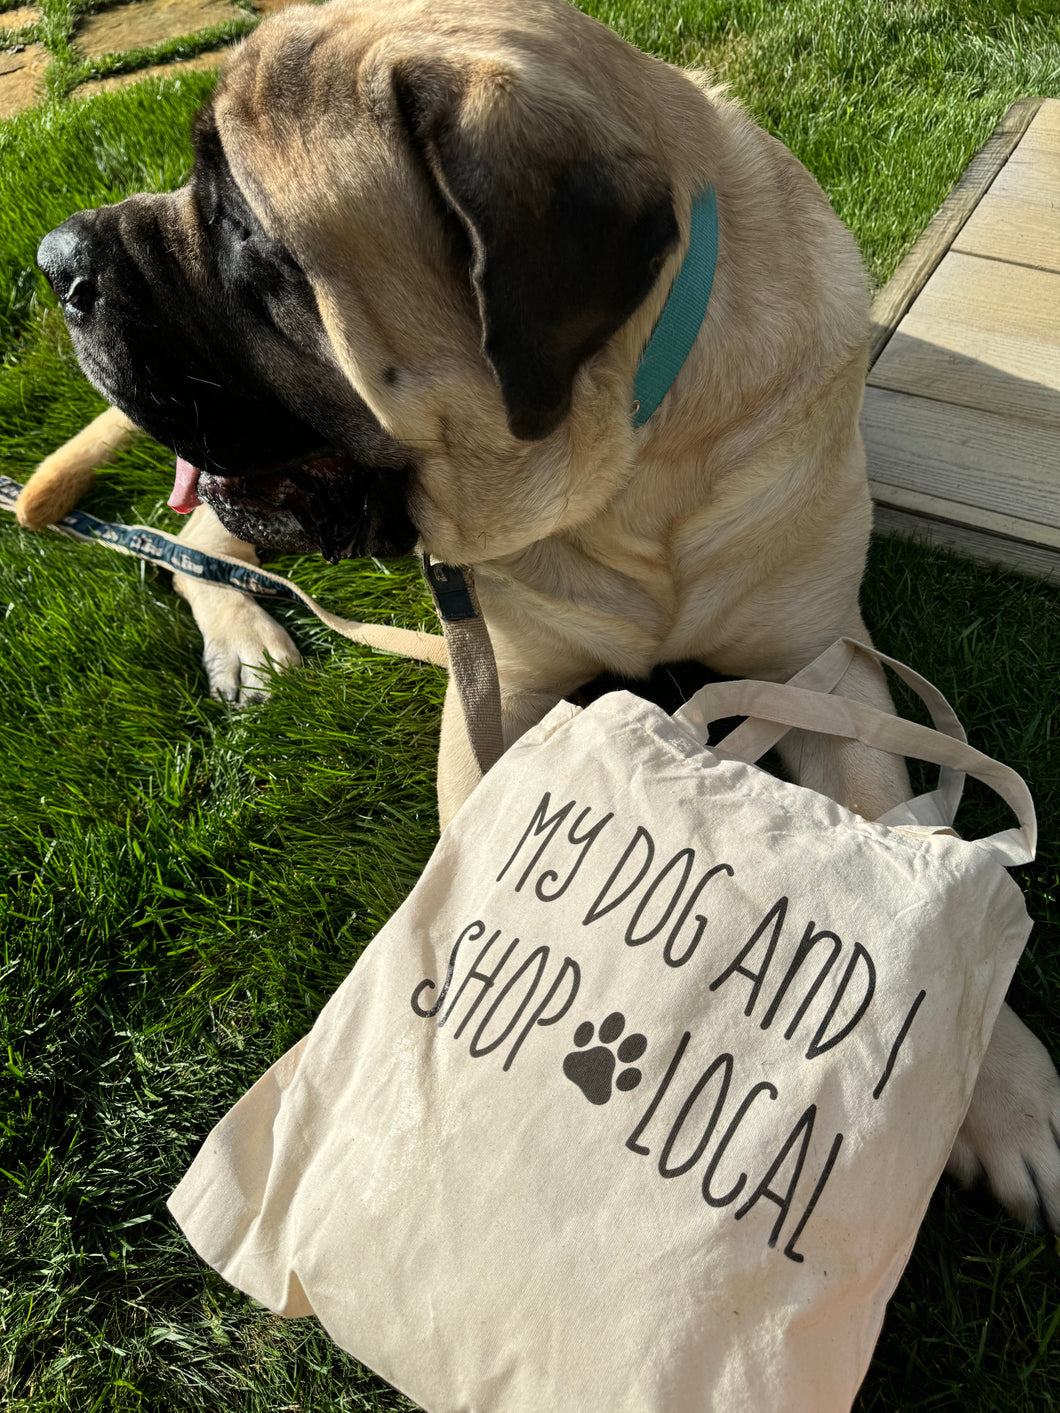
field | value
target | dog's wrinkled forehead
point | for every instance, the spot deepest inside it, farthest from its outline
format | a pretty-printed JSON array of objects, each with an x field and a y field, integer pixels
[
  {"x": 464, "y": 160},
  {"x": 219, "y": 208},
  {"x": 307, "y": 115}
]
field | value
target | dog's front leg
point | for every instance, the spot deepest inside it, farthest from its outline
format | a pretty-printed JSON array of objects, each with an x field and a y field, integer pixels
[
  {"x": 240, "y": 640},
  {"x": 1011, "y": 1133}
]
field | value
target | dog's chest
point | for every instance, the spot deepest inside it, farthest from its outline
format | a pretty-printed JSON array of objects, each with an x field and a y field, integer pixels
[{"x": 628, "y": 597}]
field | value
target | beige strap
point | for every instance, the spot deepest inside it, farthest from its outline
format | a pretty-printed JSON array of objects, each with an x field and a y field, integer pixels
[
  {"x": 753, "y": 738},
  {"x": 472, "y": 664},
  {"x": 838, "y": 716}
]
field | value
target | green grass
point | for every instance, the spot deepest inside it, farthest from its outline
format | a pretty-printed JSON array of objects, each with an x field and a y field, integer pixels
[
  {"x": 57, "y": 29},
  {"x": 183, "y": 885}
]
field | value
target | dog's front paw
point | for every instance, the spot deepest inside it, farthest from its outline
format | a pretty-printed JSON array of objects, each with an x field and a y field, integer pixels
[
  {"x": 242, "y": 645},
  {"x": 1010, "y": 1137}
]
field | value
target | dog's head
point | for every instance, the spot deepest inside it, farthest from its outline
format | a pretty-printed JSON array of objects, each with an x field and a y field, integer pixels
[{"x": 411, "y": 230}]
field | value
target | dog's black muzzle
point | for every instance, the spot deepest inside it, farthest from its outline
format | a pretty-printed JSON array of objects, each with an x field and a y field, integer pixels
[
  {"x": 157, "y": 333},
  {"x": 292, "y": 458}
]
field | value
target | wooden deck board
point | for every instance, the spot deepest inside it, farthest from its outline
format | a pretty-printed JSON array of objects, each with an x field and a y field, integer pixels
[
  {"x": 909, "y": 279},
  {"x": 1018, "y": 556},
  {"x": 1047, "y": 127},
  {"x": 963, "y": 455},
  {"x": 1016, "y": 221},
  {"x": 1005, "y": 228},
  {"x": 985, "y": 522},
  {"x": 962, "y": 412},
  {"x": 984, "y": 335},
  {"x": 1032, "y": 177}
]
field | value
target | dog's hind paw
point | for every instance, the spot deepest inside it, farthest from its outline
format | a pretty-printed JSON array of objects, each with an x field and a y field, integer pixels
[
  {"x": 1010, "y": 1137},
  {"x": 62, "y": 478}
]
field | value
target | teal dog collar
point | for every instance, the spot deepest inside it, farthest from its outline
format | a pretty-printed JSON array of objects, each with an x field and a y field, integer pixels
[{"x": 683, "y": 313}]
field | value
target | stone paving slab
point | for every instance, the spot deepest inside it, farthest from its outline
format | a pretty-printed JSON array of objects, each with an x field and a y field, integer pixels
[
  {"x": 145, "y": 22},
  {"x": 133, "y": 25},
  {"x": 22, "y": 78},
  {"x": 214, "y": 59},
  {"x": 20, "y": 18}
]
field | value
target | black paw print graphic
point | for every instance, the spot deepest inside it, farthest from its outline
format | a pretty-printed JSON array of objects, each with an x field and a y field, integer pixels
[{"x": 591, "y": 1070}]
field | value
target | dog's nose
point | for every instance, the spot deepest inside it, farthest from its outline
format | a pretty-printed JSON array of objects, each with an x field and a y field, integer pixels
[{"x": 63, "y": 257}]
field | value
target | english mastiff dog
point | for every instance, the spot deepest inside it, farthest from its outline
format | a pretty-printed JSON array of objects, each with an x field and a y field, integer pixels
[{"x": 402, "y": 301}]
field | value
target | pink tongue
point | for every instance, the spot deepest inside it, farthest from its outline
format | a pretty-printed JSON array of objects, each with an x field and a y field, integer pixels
[{"x": 185, "y": 497}]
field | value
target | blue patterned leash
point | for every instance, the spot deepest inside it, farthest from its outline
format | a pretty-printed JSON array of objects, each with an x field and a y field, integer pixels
[{"x": 165, "y": 550}]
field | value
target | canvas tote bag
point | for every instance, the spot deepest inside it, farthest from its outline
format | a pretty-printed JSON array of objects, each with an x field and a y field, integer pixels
[{"x": 638, "y": 1100}]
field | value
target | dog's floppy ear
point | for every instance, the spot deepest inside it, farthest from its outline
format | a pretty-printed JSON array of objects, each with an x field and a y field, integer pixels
[{"x": 564, "y": 246}]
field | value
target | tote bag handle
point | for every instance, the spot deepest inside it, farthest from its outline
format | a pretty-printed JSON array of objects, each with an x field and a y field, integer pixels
[
  {"x": 775, "y": 708},
  {"x": 754, "y": 737}
]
